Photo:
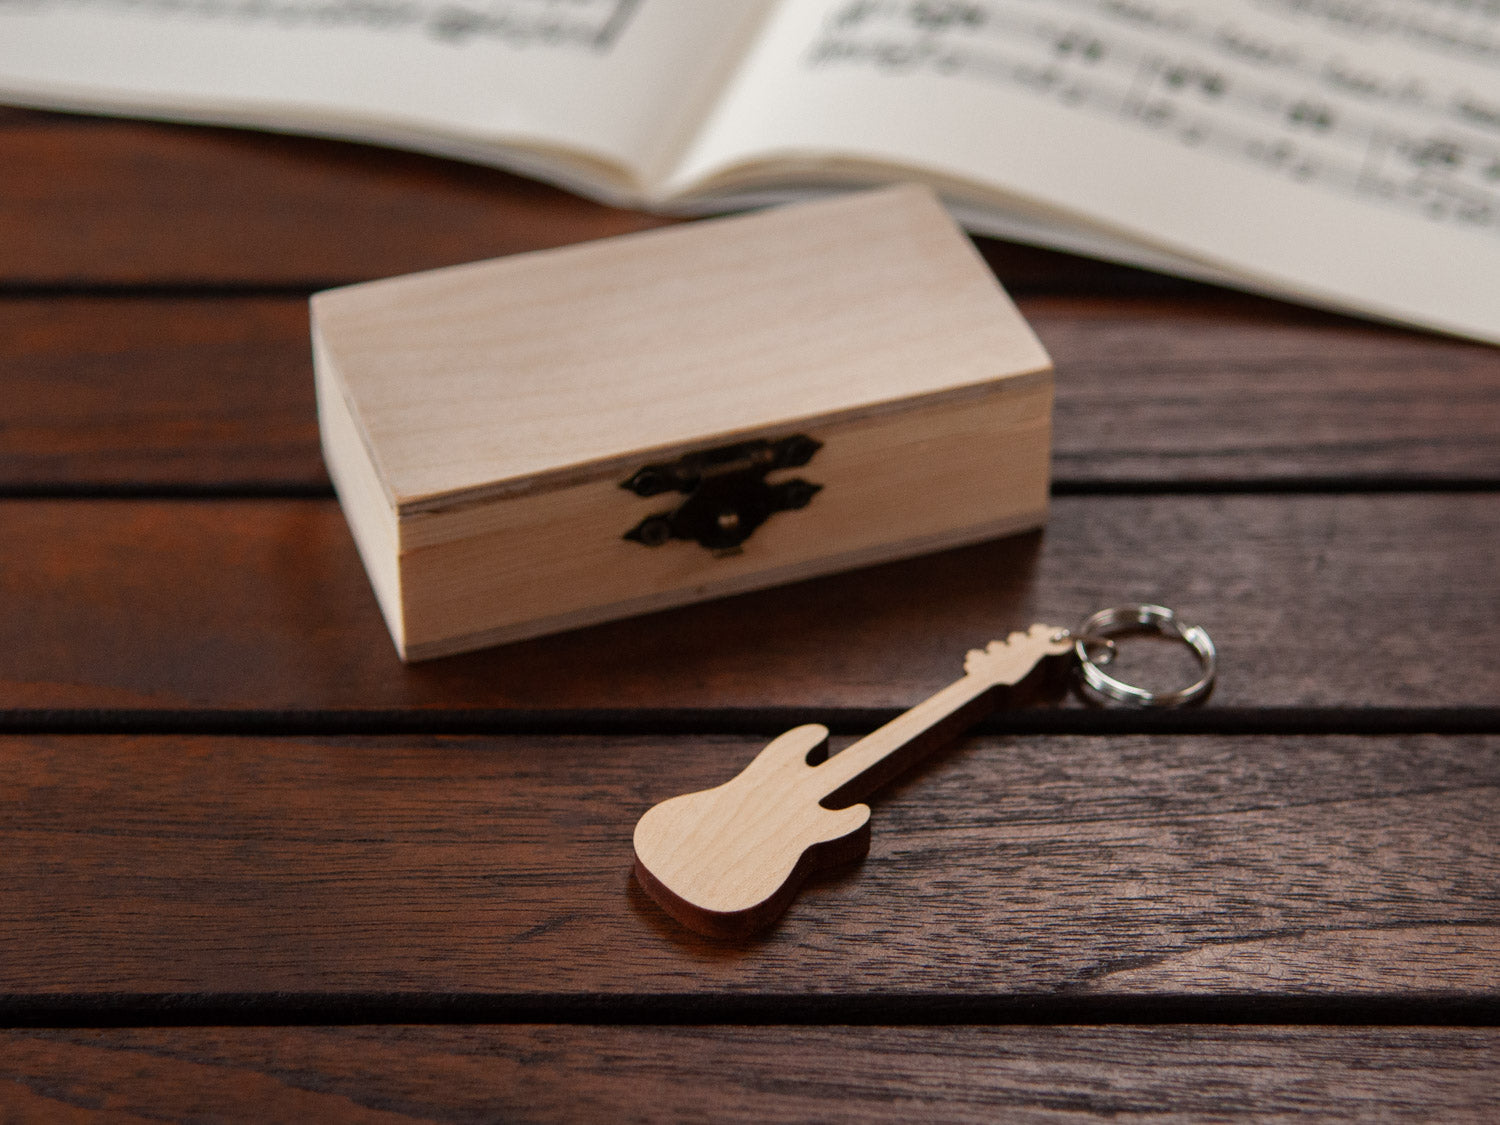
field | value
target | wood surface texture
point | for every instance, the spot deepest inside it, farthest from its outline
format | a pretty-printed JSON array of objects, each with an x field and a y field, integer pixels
[
  {"x": 534, "y": 1073},
  {"x": 1081, "y": 868},
  {"x": 1345, "y": 601},
  {"x": 89, "y": 202},
  {"x": 1149, "y": 391},
  {"x": 255, "y": 869}
]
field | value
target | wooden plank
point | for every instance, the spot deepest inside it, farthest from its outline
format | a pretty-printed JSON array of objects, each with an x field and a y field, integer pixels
[
  {"x": 131, "y": 203},
  {"x": 1237, "y": 389},
  {"x": 955, "y": 1074},
  {"x": 143, "y": 392},
  {"x": 1316, "y": 601},
  {"x": 1075, "y": 868},
  {"x": 1161, "y": 391},
  {"x": 91, "y": 202}
]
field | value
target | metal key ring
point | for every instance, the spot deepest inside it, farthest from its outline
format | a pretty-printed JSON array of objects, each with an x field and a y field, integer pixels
[{"x": 1097, "y": 630}]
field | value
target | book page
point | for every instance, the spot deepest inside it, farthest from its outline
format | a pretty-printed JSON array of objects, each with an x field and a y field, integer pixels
[
  {"x": 613, "y": 83},
  {"x": 1346, "y": 152}
]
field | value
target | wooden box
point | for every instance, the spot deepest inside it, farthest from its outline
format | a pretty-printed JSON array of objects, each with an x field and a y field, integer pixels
[{"x": 564, "y": 437}]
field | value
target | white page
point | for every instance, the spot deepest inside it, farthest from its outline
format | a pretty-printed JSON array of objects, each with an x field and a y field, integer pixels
[
  {"x": 1346, "y": 152},
  {"x": 615, "y": 82}
]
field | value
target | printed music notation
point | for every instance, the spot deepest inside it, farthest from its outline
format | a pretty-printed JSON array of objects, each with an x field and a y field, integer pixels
[
  {"x": 591, "y": 25},
  {"x": 1323, "y": 117}
]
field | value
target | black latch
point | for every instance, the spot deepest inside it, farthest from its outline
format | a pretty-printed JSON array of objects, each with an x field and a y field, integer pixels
[{"x": 728, "y": 495}]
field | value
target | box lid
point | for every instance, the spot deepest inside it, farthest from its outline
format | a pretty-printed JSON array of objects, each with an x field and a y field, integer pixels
[{"x": 542, "y": 369}]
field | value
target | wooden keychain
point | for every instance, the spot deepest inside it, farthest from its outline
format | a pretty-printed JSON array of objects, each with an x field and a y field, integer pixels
[{"x": 728, "y": 861}]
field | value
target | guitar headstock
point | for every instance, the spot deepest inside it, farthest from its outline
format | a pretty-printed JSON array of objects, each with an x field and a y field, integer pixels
[{"x": 1008, "y": 661}]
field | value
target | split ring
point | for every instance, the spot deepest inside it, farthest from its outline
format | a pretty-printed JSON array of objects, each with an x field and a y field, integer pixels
[{"x": 1097, "y": 630}]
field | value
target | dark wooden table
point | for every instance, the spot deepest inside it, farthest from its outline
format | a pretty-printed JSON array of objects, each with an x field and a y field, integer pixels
[{"x": 251, "y": 866}]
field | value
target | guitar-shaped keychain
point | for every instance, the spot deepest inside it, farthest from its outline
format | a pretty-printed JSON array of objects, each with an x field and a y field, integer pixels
[{"x": 728, "y": 861}]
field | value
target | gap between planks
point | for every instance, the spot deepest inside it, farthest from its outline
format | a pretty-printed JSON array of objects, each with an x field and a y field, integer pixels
[
  {"x": 800, "y": 1009},
  {"x": 766, "y": 722}
]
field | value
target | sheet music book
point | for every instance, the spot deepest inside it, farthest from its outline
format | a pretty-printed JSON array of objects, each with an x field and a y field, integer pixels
[{"x": 1344, "y": 153}]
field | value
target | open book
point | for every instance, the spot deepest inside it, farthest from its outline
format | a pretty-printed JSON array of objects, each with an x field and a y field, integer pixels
[{"x": 1345, "y": 153}]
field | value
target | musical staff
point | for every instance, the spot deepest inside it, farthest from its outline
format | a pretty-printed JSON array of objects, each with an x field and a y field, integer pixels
[
  {"x": 591, "y": 25},
  {"x": 1205, "y": 80}
]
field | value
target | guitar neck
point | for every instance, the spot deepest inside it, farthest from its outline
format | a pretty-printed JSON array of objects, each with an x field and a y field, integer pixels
[{"x": 868, "y": 764}]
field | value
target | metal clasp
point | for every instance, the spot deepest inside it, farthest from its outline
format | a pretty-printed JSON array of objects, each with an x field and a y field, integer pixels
[{"x": 728, "y": 496}]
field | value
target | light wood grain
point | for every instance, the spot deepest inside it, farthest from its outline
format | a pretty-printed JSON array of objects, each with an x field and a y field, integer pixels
[
  {"x": 498, "y": 377},
  {"x": 726, "y": 861},
  {"x": 392, "y": 870},
  {"x": 864, "y": 1074},
  {"x": 1317, "y": 602},
  {"x": 363, "y": 498},
  {"x": 892, "y": 486},
  {"x": 480, "y": 420}
]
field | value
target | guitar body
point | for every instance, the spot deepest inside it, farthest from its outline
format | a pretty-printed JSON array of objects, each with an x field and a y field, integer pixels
[{"x": 727, "y": 861}]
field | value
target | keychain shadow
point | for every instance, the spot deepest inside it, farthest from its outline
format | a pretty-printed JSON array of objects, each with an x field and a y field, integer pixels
[
  {"x": 665, "y": 928},
  {"x": 1093, "y": 703}
]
